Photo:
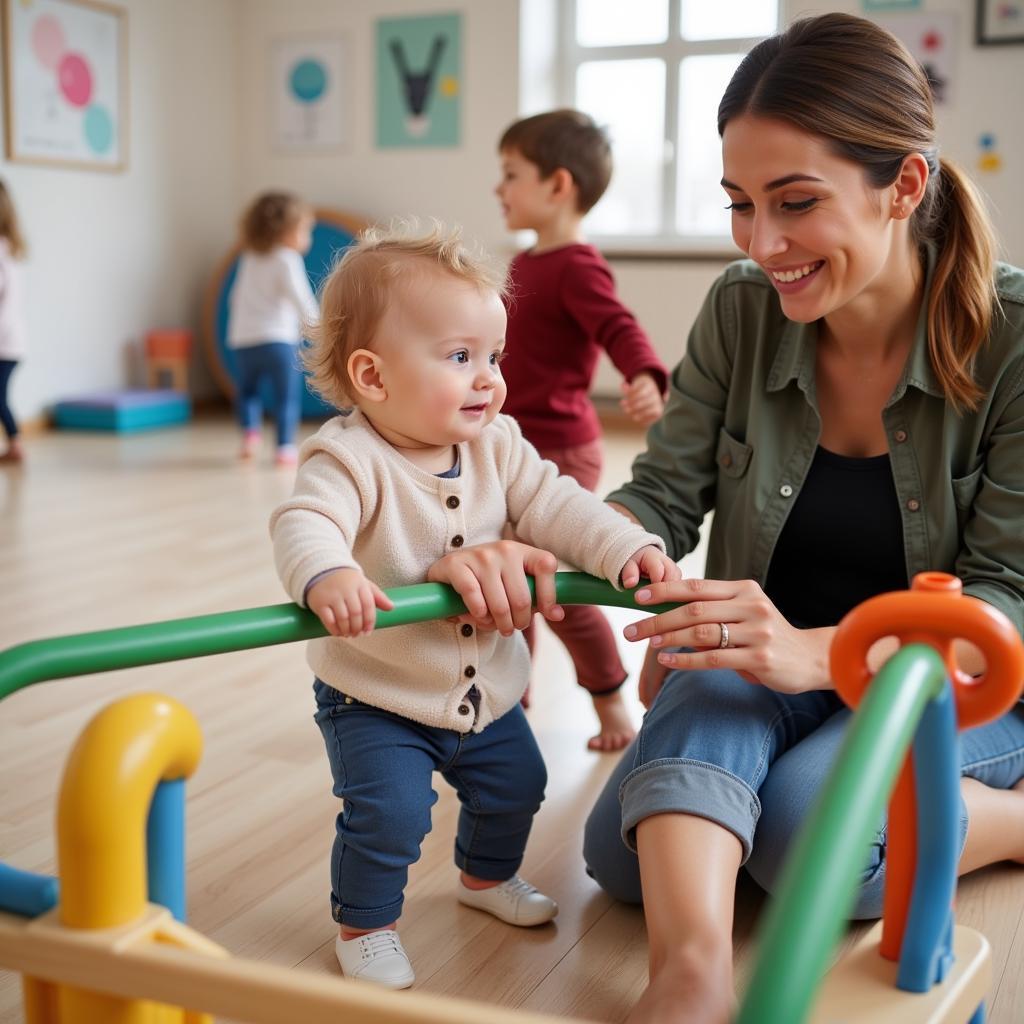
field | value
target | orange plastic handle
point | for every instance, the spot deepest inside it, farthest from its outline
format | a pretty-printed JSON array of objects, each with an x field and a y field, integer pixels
[{"x": 935, "y": 612}]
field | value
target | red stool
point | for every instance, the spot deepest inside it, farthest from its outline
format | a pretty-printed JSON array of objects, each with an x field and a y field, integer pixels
[{"x": 167, "y": 354}]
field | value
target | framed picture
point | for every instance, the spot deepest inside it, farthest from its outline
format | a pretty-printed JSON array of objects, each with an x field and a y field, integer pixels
[
  {"x": 309, "y": 99},
  {"x": 65, "y": 83},
  {"x": 419, "y": 61},
  {"x": 999, "y": 22}
]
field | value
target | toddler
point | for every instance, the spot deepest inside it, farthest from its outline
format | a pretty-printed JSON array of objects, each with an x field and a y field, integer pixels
[
  {"x": 270, "y": 300},
  {"x": 12, "y": 324},
  {"x": 563, "y": 312},
  {"x": 419, "y": 483}
]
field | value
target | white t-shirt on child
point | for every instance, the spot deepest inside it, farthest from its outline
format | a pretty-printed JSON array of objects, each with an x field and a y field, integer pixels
[
  {"x": 12, "y": 318},
  {"x": 270, "y": 298}
]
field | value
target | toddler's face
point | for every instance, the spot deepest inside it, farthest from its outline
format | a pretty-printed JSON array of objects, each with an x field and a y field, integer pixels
[
  {"x": 524, "y": 195},
  {"x": 440, "y": 344}
]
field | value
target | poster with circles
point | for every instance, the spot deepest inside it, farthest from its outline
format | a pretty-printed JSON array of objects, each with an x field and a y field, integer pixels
[
  {"x": 309, "y": 95},
  {"x": 65, "y": 82}
]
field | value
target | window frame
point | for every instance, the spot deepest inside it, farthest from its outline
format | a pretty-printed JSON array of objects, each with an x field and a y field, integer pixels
[{"x": 570, "y": 55}]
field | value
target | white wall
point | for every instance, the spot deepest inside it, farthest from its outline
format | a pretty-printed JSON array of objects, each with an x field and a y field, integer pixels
[
  {"x": 453, "y": 184},
  {"x": 111, "y": 255}
]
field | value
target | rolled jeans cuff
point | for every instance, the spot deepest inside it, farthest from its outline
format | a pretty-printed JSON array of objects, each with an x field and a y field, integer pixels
[
  {"x": 676, "y": 785},
  {"x": 357, "y": 917}
]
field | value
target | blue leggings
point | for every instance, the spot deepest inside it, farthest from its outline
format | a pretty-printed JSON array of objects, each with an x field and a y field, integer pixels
[
  {"x": 275, "y": 361},
  {"x": 752, "y": 760},
  {"x": 6, "y": 416}
]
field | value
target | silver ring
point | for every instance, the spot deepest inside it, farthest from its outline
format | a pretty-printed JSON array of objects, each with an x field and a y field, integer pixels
[{"x": 724, "y": 642}]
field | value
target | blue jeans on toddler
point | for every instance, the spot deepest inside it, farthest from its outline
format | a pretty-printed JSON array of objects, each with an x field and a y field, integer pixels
[
  {"x": 276, "y": 362},
  {"x": 382, "y": 765},
  {"x": 752, "y": 760}
]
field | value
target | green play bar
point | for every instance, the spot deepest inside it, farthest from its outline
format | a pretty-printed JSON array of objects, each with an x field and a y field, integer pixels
[
  {"x": 83, "y": 654},
  {"x": 818, "y": 887}
]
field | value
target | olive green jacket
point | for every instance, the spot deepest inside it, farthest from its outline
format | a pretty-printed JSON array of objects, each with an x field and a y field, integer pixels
[{"x": 742, "y": 425}]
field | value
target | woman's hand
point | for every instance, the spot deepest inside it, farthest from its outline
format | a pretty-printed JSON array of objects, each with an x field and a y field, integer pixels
[
  {"x": 761, "y": 645},
  {"x": 491, "y": 580}
]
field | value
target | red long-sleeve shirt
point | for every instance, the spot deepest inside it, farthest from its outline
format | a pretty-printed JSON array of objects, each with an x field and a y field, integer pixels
[{"x": 562, "y": 311}]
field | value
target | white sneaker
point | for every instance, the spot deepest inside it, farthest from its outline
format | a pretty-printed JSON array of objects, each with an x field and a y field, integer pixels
[
  {"x": 514, "y": 901},
  {"x": 376, "y": 957}
]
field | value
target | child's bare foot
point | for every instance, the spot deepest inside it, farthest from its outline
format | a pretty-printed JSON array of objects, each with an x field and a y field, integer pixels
[
  {"x": 15, "y": 453},
  {"x": 617, "y": 730}
]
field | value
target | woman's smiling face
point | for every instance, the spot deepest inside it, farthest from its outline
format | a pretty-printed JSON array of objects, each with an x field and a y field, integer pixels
[{"x": 823, "y": 236}]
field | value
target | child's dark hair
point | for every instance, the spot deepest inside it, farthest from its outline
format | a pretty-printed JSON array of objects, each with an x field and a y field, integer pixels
[
  {"x": 565, "y": 138},
  {"x": 269, "y": 217},
  {"x": 9, "y": 226}
]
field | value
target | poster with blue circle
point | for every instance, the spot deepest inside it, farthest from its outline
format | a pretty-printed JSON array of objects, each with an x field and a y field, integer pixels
[{"x": 309, "y": 101}]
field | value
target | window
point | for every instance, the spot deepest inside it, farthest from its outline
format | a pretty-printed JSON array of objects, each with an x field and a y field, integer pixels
[{"x": 652, "y": 72}]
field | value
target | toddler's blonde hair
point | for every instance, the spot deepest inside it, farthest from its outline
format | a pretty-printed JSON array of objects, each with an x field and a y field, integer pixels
[{"x": 356, "y": 293}]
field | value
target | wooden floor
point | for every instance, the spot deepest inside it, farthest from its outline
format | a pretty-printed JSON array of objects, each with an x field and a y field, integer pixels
[{"x": 100, "y": 531}]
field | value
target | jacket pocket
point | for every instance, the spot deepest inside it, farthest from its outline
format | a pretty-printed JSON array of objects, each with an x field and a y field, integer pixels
[
  {"x": 965, "y": 490},
  {"x": 732, "y": 456}
]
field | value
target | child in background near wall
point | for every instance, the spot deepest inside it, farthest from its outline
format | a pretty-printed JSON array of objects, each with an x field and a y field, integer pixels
[
  {"x": 411, "y": 335},
  {"x": 563, "y": 311},
  {"x": 12, "y": 324},
  {"x": 270, "y": 300}
]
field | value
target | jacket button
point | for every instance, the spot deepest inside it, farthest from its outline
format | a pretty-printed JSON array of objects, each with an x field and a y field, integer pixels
[
  {"x": 469, "y": 672},
  {"x": 467, "y": 629},
  {"x": 786, "y": 491},
  {"x": 452, "y": 501},
  {"x": 463, "y": 709},
  {"x": 727, "y": 460},
  {"x": 901, "y": 436},
  {"x": 913, "y": 504},
  {"x": 458, "y": 540}
]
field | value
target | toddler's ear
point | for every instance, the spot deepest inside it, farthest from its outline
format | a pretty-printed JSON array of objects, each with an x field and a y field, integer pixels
[{"x": 364, "y": 373}]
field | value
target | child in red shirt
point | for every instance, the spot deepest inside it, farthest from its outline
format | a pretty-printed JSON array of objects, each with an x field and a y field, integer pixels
[{"x": 563, "y": 311}]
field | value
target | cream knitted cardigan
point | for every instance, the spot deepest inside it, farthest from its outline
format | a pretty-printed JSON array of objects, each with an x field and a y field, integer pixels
[{"x": 358, "y": 502}]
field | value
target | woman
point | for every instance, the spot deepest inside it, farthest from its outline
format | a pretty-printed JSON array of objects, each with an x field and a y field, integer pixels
[{"x": 851, "y": 406}]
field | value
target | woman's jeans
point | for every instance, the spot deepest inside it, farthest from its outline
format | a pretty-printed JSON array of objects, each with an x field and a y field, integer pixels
[
  {"x": 276, "y": 362},
  {"x": 752, "y": 760},
  {"x": 382, "y": 766}
]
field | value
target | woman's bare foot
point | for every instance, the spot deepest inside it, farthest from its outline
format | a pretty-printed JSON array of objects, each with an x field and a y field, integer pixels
[
  {"x": 617, "y": 729},
  {"x": 695, "y": 987},
  {"x": 1019, "y": 788}
]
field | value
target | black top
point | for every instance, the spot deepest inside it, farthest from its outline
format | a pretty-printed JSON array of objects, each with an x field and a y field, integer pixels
[{"x": 842, "y": 542}]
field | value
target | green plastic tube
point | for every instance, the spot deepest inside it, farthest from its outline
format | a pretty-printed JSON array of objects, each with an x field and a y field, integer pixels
[
  {"x": 86, "y": 653},
  {"x": 818, "y": 887}
]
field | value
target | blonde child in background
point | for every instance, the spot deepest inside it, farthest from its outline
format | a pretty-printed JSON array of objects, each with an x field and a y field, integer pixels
[
  {"x": 270, "y": 300},
  {"x": 411, "y": 335},
  {"x": 12, "y": 322},
  {"x": 563, "y": 312}
]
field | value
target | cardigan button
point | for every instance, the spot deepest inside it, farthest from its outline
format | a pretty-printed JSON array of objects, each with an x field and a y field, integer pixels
[
  {"x": 786, "y": 491},
  {"x": 458, "y": 540},
  {"x": 467, "y": 629},
  {"x": 913, "y": 504},
  {"x": 469, "y": 672},
  {"x": 452, "y": 501},
  {"x": 463, "y": 709}
]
